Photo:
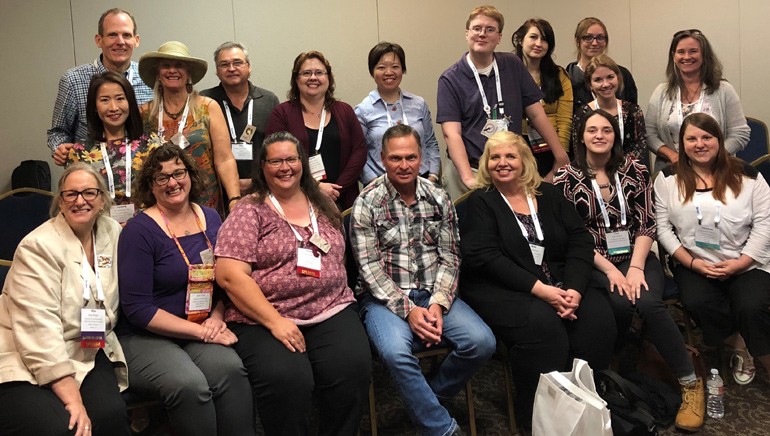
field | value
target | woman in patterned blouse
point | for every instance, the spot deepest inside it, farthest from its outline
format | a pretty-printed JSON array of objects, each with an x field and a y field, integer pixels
[{"x": 611, "y": 193}]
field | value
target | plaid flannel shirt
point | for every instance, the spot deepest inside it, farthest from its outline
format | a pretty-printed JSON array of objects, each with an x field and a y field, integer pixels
[
  {"x": 400, "y": 248},
  {"x": 69, "y": 122}
]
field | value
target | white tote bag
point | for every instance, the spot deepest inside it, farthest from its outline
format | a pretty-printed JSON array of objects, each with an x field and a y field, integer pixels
[{"x": 566, "y": 404}]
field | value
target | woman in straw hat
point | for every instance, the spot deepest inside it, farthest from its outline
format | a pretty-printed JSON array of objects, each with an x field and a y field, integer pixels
[{"x": 195, "y": 123}]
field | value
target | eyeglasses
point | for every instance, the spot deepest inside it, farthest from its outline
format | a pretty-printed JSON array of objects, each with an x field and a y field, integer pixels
[
  {"x": 88, "y": 194},
  {"x": 275, "y": 163},
  {"x": 308, "y": 73},
  {"x": 235, "y": 64},
  {"x": 591, "y": 38},
  {"x": 162, "y": 179},
  {"x": 688, "y": 32},
  {"x": 478, "y": 30}
]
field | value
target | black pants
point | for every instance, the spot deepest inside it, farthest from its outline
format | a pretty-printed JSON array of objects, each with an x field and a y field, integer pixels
[
  {"x": 337, "y": 364},
  {"x": 548, "y": 343},
  {"x": 27, "y": 409},
  {"x": 740, "y": 303}
]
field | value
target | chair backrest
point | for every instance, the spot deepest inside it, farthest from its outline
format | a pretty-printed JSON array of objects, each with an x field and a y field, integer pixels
[
  {"x": 21, "y": 211},
  {"x": 763, "y": 166},
  {"x": 759, "y": 142}
]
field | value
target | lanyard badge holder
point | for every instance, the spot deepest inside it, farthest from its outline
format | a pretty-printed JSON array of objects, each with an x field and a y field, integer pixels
[
  {"x": 537, "y": 249},
  {"x": 317, "y": 169},
  {"x": 308, "y": 258},
  {"x": 496, "y": 121},
  {"x": 618, "y": 242},
  {"x": 93, "y": 320},
  {"x": 119, "y": 212},
  {"x": 243, "y": 148},
  {"x": 707, "y": 236},
  {"x": 178, "y": 139},
  {"x": 200, "y": 278}
]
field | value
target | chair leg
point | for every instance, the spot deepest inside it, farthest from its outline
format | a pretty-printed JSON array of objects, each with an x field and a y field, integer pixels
[
  {"x": 509, "y": 388},
  {"x": 372, "y": 410},
  {"x": 471, "y": 408}
]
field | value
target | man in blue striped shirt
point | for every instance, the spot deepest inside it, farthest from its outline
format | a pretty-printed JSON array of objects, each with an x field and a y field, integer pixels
[{"x": 117, "y": 39}]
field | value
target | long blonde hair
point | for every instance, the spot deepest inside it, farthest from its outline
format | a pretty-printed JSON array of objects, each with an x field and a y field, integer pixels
[{"x": 530, "y": 179}]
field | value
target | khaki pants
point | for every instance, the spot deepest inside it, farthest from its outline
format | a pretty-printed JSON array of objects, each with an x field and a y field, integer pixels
[{"x": 452, "y": 181}]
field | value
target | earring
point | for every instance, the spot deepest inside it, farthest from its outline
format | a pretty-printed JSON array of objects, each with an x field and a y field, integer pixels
[{"x": 188, "y": 87}]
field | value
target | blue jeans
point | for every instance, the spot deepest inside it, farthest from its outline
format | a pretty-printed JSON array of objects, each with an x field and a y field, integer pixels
[{"x": 472, "y": 343}]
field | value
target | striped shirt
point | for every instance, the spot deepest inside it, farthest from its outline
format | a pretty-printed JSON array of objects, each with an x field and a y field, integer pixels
[
  {"x": 69, "y": 122},
  {"x": 400, "y": 248}
]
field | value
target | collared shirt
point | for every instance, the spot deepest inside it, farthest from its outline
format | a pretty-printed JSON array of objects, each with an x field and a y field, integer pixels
[
  {"x": 372, "y": 115},
  {"x": 264, "y": 102},
  {"x": 400, "y": 248},
  {"x": 69, "y": 122}
]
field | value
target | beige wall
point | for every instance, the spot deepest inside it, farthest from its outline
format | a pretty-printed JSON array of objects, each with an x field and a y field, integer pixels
[{"x": 40, "y": 39}]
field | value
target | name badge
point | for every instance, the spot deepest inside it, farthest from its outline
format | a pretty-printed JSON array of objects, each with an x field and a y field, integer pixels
[
  {"x": 308, "y": 263},
  {"x": 200, "y": 290},
  {"x": 242, "y": 150},
  {"x": 248, "y": 133},
  {"x": 317, "y": 169},
  {"x": 122, "y": 212},
  {"x": 493, "y": 126},
  {"x": 104, "y": 261},
  {"x": 707, "y": 237},
  {"x": 536, "y": 141},
  {"x": 618, "y": 243},
  {"x": 92, "y": 327},
  {"x": 537, "y": 253},
  {"x": 179, "y": 140}
]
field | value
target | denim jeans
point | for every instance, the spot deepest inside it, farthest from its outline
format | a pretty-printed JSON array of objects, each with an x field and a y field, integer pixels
[{"x": 472, "y": 343}]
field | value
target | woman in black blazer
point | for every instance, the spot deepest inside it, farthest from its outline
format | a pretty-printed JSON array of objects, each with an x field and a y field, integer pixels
[{"x": 527, "y": 262}]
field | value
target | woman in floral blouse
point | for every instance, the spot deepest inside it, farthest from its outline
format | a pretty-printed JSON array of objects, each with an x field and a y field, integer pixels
[{"x": 115, "y": 146}]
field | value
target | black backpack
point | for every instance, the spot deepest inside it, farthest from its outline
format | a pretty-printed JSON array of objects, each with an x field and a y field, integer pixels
[
  {"x": 639, "y": 405},
  {"x": 32, "y": 174}
]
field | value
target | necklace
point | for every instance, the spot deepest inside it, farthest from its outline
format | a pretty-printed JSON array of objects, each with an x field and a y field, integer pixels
[
  {"x": 604, "y": 186},
  {"x": 175, "y": 115},
  {"x": 313, "y": 113},
  {"x": 690, "y": 97}
]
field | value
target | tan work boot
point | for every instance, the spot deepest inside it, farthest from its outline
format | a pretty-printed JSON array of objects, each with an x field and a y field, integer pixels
[{"x": 693, "y": 408}]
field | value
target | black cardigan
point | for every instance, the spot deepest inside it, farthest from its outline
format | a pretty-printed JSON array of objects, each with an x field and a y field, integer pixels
[{"x": 498, "y": 271}]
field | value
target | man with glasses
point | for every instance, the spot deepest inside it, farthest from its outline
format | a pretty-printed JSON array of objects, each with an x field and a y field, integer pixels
[
  {"x": 117, "y": 39},
  {"x": 483, "y": 93},
  {"x": 246, "y": 107}
]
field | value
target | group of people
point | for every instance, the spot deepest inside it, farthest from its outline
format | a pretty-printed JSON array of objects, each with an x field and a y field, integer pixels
[{"x": 221, "y": 320}]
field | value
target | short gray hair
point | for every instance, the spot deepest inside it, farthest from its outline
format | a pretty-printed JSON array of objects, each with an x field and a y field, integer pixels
[{"x": 228, "y": 45}]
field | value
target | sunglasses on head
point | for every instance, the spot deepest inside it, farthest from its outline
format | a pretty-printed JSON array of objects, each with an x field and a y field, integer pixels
[{"x": 688, "y": 32}]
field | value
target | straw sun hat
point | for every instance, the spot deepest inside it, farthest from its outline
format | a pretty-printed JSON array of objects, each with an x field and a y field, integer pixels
[{"x": 175, "y": 50}]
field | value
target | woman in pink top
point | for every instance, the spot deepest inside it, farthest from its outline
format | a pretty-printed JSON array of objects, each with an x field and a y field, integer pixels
[{"x": 280, "y": 259}]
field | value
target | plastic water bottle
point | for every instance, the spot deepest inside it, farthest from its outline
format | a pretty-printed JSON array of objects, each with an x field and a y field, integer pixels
[{"x": 715, "y": 388}]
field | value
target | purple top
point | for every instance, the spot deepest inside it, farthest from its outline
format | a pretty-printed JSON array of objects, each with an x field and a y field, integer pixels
[
  {"x": 459, "y": 98},
  {"x": 256, "y": 234},
  {"x": 143, "y": 247}
]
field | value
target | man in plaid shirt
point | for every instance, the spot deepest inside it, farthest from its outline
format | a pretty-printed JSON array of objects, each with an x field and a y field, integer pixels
[
  {"x": 405, "y": 240},
  {"x": 117, "y": 39}
]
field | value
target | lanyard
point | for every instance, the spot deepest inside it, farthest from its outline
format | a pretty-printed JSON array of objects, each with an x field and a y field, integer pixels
[
  {"x": 620, "y": 117},
  {"x": 403, "y": 112},
  {"x": 230, "y": 117},
  {"x": 108, "y": 168},
  {"x": 87, "y": 276},
  {"x": 487, "y": 108},
  {"x": 178, "y": 245},
  {"x": 182, "y": 121},
  {"x": 313, "y": 220},
  {"x": 320, "y": 135},
  {"x": 603, "y": 206},
  {"x": 532, "y": 213},
  {"x": 699, "y": 213},
  {"x": 680, "y": 111}
]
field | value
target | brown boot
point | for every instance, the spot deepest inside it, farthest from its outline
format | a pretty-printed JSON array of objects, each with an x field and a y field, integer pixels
[{"x": 693, "y": 409}]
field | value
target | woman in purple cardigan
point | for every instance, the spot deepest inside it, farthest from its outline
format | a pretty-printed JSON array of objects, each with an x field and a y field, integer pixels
[{"x": 327, "y": 128}]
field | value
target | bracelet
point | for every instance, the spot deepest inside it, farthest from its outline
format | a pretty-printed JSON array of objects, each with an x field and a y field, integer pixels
[
  {"x": 633, "y": 266},
  {"x": 233, "y": 198},
  {"x": 693, "y": 260}
]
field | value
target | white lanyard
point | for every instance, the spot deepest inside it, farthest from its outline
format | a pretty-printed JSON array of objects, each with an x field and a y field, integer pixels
[
  {"x": 87, "y": 276},
  {"x": 182, "y": 121},
  {"x": 313, "y": 220},
  {"x": 699, "y": 213},
  {"x": 320, "y": 133},
  {"x": 108, "y": 168},
  {"x": 403, "y": 112},
  {"x": 532, "y": 213},
  {"x": 487, "y": 108},
  {"x": 603, "y": 206},
  {"x": 679, "y": 105},
  {"x": 230, "y": 117},
  {"x": 620, "y": 117}
]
